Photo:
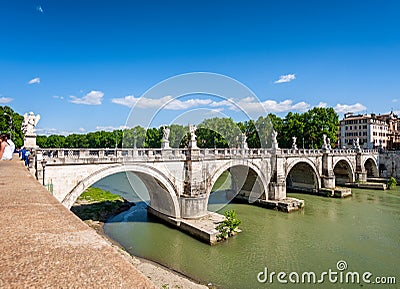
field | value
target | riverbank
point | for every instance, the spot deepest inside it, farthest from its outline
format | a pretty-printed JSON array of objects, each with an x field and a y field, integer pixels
[{"x": 95, "y": 207}]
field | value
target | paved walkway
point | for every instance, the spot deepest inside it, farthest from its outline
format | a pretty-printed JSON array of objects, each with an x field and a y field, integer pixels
[{"x": 44, "y": 245}]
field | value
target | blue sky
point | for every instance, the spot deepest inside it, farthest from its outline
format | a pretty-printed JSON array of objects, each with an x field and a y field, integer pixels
[{"x": 82, "y": 64}]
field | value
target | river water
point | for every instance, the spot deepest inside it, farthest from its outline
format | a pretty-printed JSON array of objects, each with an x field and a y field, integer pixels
[{"x": 363, "y": 231}]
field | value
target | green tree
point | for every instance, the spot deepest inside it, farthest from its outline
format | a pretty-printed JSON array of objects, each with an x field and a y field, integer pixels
[
  {"x": 319, "y": 121},
  {"x": 55, "y": 141},
  {"x": 153, "y": 137},
  {"x": 10, "y": 123},
  {"x": 264, "y": 127},
  {"x": 310, "y": 125},
  {"x": 41, "y": 141},
  {"x": 134, "y": 135},
  {"x": 293, "y": 126},
  {"x": 224, "y": 131},
  {"x": 178, "y": 135},
  {"x": 76, "y": 141}
]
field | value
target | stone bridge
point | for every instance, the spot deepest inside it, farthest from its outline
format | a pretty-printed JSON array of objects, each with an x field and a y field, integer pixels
[{"x": 179, "y": 181}]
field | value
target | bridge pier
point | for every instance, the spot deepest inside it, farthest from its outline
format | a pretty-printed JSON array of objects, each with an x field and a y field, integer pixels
[
  {"x": 193, "y": 207},
  {"x": 361, "y": 176},
  {"x": 361, "y": 173},
  {"x": 328, "y": 182},
  {"x": 277, "y": 191},
  {"x": 328, "y": 176}
]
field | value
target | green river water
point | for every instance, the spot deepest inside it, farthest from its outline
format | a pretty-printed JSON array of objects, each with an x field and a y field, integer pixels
[{"x": 363, "y": 231}]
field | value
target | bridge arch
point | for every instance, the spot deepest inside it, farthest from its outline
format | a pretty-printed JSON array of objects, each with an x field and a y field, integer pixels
[
  {"x": 163, "y": 197},
  {"x": 371, "y": 167},
  {"x": 248, "y": 176},
  {"x": 303, "y": 175},
  {"x": 344, "y": 171}
]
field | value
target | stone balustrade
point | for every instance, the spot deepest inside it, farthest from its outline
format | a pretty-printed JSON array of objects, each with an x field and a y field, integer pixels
[{"x": 89, "y": 155}]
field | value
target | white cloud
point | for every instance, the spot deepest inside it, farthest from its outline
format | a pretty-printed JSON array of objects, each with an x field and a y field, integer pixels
[
  {"x": 5, "y": 99},
  {"x": 395, "y": 100},
  {"x": 34, "y": 80},
  {"x": 344, "y": 108},
  {"x": 248, "y": 104},
  {"x": 51, "y": 131},
  {"x": 166, "y": 102},
  {"x": 111, "y": 128},
  {"x": 92, "y": 98},
  {"x": 286, "y": 78},
  {"x": 40, "y": 9},
  {"x": 81, "y": 129},
  {"x": 58, "y": 97},
  {"x": 322, "y": 104}
]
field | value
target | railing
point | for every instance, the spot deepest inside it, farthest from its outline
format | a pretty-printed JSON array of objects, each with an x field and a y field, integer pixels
[
  {"x": 301, "y": 151},
  {"x": 144, "y": 154},
  {"x": 111, "y": 154}
]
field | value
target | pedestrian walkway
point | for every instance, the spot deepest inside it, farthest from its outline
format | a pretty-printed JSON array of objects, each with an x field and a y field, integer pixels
[{"x": 44, "y": 245}]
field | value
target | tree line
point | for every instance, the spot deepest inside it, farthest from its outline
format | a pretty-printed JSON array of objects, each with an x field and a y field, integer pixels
[
  {"x": 10, "y": 123},
  {"x": 307, "y": 127}
]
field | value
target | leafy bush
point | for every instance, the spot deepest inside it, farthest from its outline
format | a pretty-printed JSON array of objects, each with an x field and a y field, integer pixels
[
  {"x": 391, "y": 183},
  {"x": 229, "y": 225}
]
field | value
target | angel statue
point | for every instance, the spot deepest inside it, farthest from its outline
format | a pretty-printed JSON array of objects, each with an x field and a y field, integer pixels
[
  {"x": 274, "y": 136},
  {"x": 166, "y": 131},
  {"x": 29, "y": 123},
  {"x": 294, "y": 145},
  {"x": 192, "y": 129}
]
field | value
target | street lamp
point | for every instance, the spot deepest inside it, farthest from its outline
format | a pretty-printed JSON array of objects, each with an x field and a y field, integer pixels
[
  {"x": 44, "y": 167},
  {"x": 11, "y": 123}
]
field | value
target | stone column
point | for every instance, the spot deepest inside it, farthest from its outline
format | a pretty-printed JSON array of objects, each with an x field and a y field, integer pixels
[
  {"x": 277, "y": 186},
  {"x": 361, "y": 173},
  {"x": 328, "y": 176},
  {"x": 193, "y": 201}
]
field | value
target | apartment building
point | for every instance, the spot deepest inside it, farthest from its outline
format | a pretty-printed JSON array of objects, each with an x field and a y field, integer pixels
[
  {"x": 393, "y": 133},
  {"x": 372, "y": 131}
]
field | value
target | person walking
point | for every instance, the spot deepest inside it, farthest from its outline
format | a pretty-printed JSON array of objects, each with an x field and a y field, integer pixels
[{"x": 28, "y": 153}]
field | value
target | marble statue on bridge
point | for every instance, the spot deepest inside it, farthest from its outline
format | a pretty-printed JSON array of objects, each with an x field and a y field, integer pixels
[
  {"x": 274, "y": 135},
  {"x": 165, "y": 138},
  {"x": 326, "y": 144},
  {"x": 294, "y": 145},
  {"x": 28, "y": 129},
  {"x": 29, "y": 123},
  {"x": 166, "y": 132},
  {"x": 192, "y": 130},
  {"x": 244, "y": 141}
]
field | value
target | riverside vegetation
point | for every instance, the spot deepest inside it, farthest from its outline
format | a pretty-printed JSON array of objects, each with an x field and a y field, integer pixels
[
  {"x": 229, "y": 226},
  {"x": 391, "y": 183},
  {"x": 95, "y": 206}
]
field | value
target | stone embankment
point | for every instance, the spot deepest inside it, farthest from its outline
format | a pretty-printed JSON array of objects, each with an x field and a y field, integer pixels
[{"x": 43, "y": 245}]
